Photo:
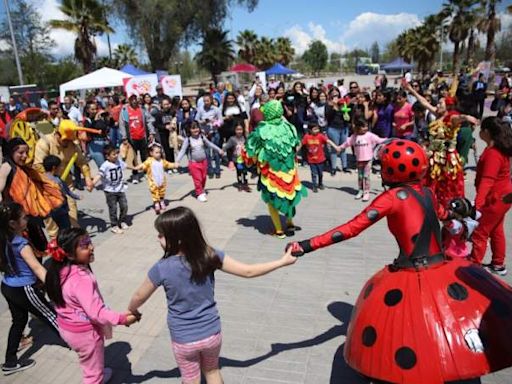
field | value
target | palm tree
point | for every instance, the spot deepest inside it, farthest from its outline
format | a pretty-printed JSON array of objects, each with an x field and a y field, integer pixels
[
  {"x": 246, "y": 41},
  {"x": 459, "y": 12},
  {"x": 86, "y": 18},
  {"x": 217, "y": 51},
  {"x": 490, "y": 24},
  {"x": 284, "y": 50},
  {"x": 125, "y": 54},
  {"x": 265, "y": 53}
]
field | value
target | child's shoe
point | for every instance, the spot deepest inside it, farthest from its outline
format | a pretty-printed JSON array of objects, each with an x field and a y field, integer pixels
[
  {"x": 157, "y": 208},
  {"x": 366, "y": 196},
  {"x": 124, "y": 226},
  {"x": 20, "y": 366},
  {"x": 359, "y": 195},
  {"x": 279, "y": 235},
  {"x": 116, "y": 230},
  {"x": 499, "y": 270},
  {"x": 321, "y": 187},
  {"x": 202, "y": 198},
  {"x": 315, "y": 189}
]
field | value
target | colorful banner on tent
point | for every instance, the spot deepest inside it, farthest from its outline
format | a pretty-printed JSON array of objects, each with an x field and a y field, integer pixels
[
  {"x": 139, "y": 85},
  {"x": 172, "y": 85}
]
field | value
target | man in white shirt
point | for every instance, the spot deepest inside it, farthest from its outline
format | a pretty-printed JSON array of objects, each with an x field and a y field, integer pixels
[{"x": 71, "y": 111}]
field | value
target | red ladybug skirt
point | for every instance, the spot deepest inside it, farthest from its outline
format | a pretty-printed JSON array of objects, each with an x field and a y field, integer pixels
[{"x": 450, "y": 321}]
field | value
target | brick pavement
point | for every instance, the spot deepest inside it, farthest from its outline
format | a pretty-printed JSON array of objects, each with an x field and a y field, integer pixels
[{"x": 304, "y": 308}]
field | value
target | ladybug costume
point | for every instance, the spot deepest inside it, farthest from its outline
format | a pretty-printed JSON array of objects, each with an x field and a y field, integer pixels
[{"x": 423, "y": 319}]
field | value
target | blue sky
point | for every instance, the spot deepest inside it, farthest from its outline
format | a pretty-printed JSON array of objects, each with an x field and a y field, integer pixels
[{"x": 340, "y": 24}]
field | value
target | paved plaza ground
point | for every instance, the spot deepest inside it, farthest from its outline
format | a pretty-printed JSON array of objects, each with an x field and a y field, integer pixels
[{"x": 305, "y": 307}]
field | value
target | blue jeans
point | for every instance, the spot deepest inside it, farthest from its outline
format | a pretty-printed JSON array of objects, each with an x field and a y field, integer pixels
[
  {"x": 316, "y": 173},
  {"x": 338, "y": 136},
  {"x": 96, "y": 151},
  {"x": 212, "y": 155},
  {"x": 115, "y": 138}
]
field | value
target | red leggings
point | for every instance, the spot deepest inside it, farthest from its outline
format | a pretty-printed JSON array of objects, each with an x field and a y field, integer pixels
[
  {"x": 491, "y": 227},
  {"x": 198, "y": 172}
]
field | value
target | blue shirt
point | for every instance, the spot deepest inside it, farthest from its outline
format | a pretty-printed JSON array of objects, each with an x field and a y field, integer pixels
[
  {"x": 192, "y": 312},
  {"x": 25, "y": 276}
]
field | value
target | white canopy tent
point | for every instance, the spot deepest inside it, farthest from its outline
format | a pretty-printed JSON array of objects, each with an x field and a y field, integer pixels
[{"x": 104, "y": 77}]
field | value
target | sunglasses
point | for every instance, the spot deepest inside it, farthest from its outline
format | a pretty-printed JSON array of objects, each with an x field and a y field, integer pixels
[{"x": 85, "y": 242}]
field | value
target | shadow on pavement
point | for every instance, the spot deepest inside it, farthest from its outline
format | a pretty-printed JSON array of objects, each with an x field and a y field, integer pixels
[{"x": 261, "y": 223}]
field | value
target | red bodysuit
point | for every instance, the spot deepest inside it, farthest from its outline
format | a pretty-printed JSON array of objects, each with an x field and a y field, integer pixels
[{"x": 423, "y": 319}]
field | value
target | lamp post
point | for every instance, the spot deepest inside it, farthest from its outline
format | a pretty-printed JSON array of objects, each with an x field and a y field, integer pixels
[{"x": 14, "y": 46}]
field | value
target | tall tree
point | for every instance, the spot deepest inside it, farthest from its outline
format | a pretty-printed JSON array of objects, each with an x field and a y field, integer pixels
[
  {"x": 284, "y": 50},
  {"x": 490, "y": 24},
  {"x": 163, "y": 25},
  {"x": 375, "y": 52},
  {"x": 459, "y": 12},
  {"x": 316, "y": 56},
  {"x": 216, "y": 52},
  {"x": 247, "y": 41},
  {"x": 266, "y": 55},
  {"x": 85, "y": 18},
  {"x": 125, "y": 54}
]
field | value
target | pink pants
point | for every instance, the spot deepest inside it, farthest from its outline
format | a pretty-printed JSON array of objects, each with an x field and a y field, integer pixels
[
  {"x": 91, "y": 353},
  {"x": 198, "y": 172},
  {"x": 202, "y": 355}
]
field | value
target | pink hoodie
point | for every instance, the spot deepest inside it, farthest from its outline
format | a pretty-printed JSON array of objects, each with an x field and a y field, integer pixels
[
  {"x": 84, "y": 308},
  {"x": 363, "y": 145}
]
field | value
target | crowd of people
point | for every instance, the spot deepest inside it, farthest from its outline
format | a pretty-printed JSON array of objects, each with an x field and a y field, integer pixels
[{"x": 329, "y": 127}]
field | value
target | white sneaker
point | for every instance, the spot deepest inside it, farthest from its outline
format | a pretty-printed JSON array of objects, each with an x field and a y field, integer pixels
[
  {"x": 135, "y": 181},
  {"x": 359, "y": 195},
  {"x": 170, "y": 172},
  {"x": 116, "y": 230},
  {"x": 202, "y": 198},
  {"x": 107, "y": 374},
  {"x": 124, "y": 226}
]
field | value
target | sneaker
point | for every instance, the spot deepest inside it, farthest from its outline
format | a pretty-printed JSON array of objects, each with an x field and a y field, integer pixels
[
  {"x": 217, "y": 176},
  {"x": 321, "y": 187},
  {"x": 21, "y": 366},
  {"x": 366, "y": 196},
  {"x": 279, "y": 235},
  {"x": 210, "y": 175},
  {"x": 170, "y": 172},
  {"x": 124, "y": 226},
  {"x": 107, "y": 374},
  {"x": 346, "y": 170},
  {"x": 116, "y": 230},
  {"x": 359, "y": 195},
  {"x": 135, "y": 181},
  {"x": 202, "y": 198},
  {"x": 499, "y": 270},
  {"x": 315, "y": 189},
  {"x": 156, "y": 207},
  {"x": 333, "y": 172}
]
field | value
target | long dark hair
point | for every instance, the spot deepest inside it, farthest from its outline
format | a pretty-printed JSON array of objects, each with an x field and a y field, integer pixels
[
  {"x": 68, "y": 240},
  {"x": 500, "y": 133},
  {"x": 225, "y": 104},
  {"x": 183, "y": 234},
  {"x": 8, "y": 211}
]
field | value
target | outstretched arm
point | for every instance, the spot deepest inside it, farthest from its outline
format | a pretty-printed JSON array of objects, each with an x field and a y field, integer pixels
[{"x": 379, "y": 208}]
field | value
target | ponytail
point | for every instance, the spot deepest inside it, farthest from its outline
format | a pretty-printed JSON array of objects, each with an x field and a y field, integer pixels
[
  {"x": 62, "y": 251},
  {"x": 8, "y": 212}
]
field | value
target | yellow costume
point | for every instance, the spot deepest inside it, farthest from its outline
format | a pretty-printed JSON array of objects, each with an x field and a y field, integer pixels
[
  {"x": 48, "y": 145},
  {"x": 155, "y": 173}
]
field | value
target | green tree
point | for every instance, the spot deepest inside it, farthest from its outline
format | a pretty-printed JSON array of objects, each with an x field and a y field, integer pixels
[
  {"x": 247, "y": 41},
  {"x": 216, "y": 52},
  {"x": 460, "y": 14},
  {"x": 284, "y": 50},
  {"x": 375, "y": 52},
  {"x": 490, "y": 24},
  {"x": 316, "y": 56},
  {"x": 125, "y": 54},
  {"x": 85, "y": 18},
  {"x": 163, "y": 25},
  {"x": 335, "y": 62},
  {"x": 266, "y": 55}
]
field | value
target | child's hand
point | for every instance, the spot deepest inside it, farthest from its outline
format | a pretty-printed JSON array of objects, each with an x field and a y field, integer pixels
[
  {"x": 130, "y": 319},
  {"x": 287, "y": 258},
  {"x": 221, "y": 152},
  {"x": 338, "y": 149}
]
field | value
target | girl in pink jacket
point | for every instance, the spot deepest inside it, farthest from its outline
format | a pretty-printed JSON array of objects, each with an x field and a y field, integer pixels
[
  {"x": 83, "y": 318},
  {"x": 364, "y": 143}
]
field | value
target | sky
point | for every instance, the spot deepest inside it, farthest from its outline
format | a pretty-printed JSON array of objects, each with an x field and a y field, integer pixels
[{"x": 340, "y": 24}]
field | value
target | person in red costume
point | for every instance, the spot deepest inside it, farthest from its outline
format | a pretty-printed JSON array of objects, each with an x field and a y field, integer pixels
[
  {"x": 423, "y": 319},
  {"x": 492, "y": 183}
]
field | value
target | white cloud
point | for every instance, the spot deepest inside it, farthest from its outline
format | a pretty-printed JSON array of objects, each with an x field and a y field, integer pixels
[
  {"x": 301, "y": 39},
  {"x": 360, "y": 32},
  {"x": 64, "y": 41}
]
